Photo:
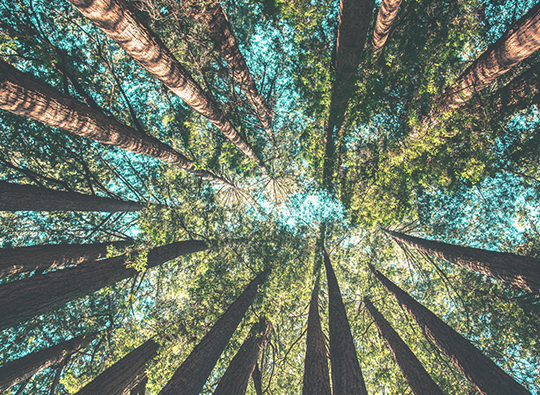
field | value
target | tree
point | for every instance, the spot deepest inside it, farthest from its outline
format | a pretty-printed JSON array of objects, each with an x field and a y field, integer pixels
[{"x": 385, "y": 19}]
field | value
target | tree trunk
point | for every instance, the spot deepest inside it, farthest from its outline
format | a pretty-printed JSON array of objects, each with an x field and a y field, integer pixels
[
  {"x": 43, "y": 257},
  {"x": 22, "y": 94},
  {"x": 139, "y": 388},
  {"x": 520, "y": 271},
  {"x": 518, "y": 43},
  {"x": 122, "y": 24},
  {"x": 346, "y": 373},
  {"x": 14, "y": 372},
  {"x": 257, "y": 380},
  {"x": 23, "y": 299},
  {"x": 117, "y": 377},
  {"x": 190, "y": 378},
  {"x": 20, "y": 197},
  {"x": 483, "y": 373},
  {"x": 236, "y": 378},
  {"x": 413, "y": 371},
  {"x": 316, "y": 373},
  {"x": 522, "y": 91},
  {"x": 385, "y": 19}
]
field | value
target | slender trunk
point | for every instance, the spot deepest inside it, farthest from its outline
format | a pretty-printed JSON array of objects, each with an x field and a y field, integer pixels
[
  {"x": 482, "y": 372},
  {"x": 20, "y": 197},
  {"x": 43, "y": 257},
  {"x": 257, "y": 379},
  {"x": 23, "y": 299},
  {"x": 413, "y": 371},
  {"x": 521, "y": 271},
  {"x": 236, "y": 378},
  {"x": 316, "y": 373},
  {"x": 346, "y": 373},
  {"x": 122, "y": 24},
  {"x": 14, "y": 372},
  {"x": 191, "y": 376},
  {"x": 385, "y": 19},
  {"x": 117, "y": 377},
  {"x": 22, "y": 94}
]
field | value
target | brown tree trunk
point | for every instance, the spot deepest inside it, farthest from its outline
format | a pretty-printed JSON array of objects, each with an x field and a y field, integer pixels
[
  {"x": 346, "y": 373},
  {"x": 385, "y": 19},
  {"x": 117, "y": 377},
  {"x": 522, "y": 91},
  {"x": 23, "y": 299},
  {"x": 14, "y": 372},
  {"x": 316, "y": 373},
  {"x": 122, "y": 24},
  {"x": 22, "y": 94},
  {"x": 257, "y": 380},
  {"x": 191, "y": 376},
  {"x": 521, "y": 271},
  {"x": 236, "y": 378},
  {"x": 482, "y": 372},
  {"x": 413, "y": 371},
  {"x": 43, "y": 257},
  {"x": 139, "y": 388}
]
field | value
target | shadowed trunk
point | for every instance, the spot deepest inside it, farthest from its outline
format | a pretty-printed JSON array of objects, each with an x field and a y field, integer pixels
[
  {"x": 521, "y": 271},
  {"x": 117, "y": 377},
  {"x": 139, "y": 388},
  {"x": 22, "y": 94},
  {"x": 122, "y": 24},
  {"x": 23, "y": 299},
  {"x": 483, "y": 373},
  {"x": 257, "y": 380},
  {"x": 385, "y": 19},
  {"x": 14, "y": 372},
  {"x": 43, "y": 257},
  {"x": 346, "y": 374},
  {"x": 413, "y": 371},
  {"x": 236, "y": 378},
  {"x": 190, "y": 378},
  {"x": 316, "y": 373}
]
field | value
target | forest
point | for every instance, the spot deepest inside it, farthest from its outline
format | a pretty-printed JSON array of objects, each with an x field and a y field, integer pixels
[{"x": 270, "y": 197}]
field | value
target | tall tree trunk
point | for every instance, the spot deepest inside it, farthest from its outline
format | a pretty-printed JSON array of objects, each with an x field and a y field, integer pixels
[
  {"x": 122, "y": 24},
  {"x": 43, "y": 257},
  {"x": 14, "y": 372},
  {"x": 346, "y": 373},
  {"x": 191, "y": 376},
  {"x": 518, "y": 43},
  {"x": 23, "y": 299},
  {"x": 117, "y": 377},
  {"x": 22, "y": 94},
  {"x": 385, "y": 19},
  {"x": 222, "y": 36},
  {"x": 413, "y": 371},
  {"x": 236, "y": 378},
  {"x": 20, "y": 197},
  {"x": 257, "y": 379},
  {"x": 520, "y": 271},
  {"x": 316, "y": 373},
  {"x": 482, "y": 372},
  {"x": 139, "y": 388}
]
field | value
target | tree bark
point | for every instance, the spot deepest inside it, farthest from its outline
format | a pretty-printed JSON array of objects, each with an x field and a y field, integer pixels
[
  {"x": 413, "y": 371},
  {"x": 522, "y": 91},
  {"x": 483, "y": 373},
  {"x": 117, "y": 377},
  {"x": 122, "y": 24},
  {"x": 23, "y": 299},
  {"x": 236, "y": 378},
  {"x": 14, "y": 372},
  {"x": 257, "y": 380},
  {"x": 22, "y": 94},
  {"x": 385, "y": 19},
  {"x": 191, "y": 376},
  {"x": 346, "y": 373},
  {"x": 43, "y": 257},
  {"x": 521, "y": 271},
  {"x": 316, "y": 374}
]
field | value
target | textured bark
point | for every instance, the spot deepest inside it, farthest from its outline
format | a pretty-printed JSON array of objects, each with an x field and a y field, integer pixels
[
  {"x": 22, "y": 94},
  {"x": 23, "y": 299},
  {"x": 236, "y": 378},
  {"x": 522, "y": 91},
  {"x": 346, "y": 373},
  {"x": 413, "y": 371},
  {"x": 20, "y": 197},
  {"x": 521, "y": 271},
  {"x": 316, "y": 373},
  {"x": 518, "y": 43},
  {"x": 139, "y": 388},
  {"x": 117, "y": 377},
  {"x": 483, "y": 373},
  {"x": 14, "y": 372},
  {"x": 191, "y": 376},
  {"x": 385, "y": 19},
  {"x": 122, "y": 24},
  {"x": 43, "y": 257},
  {"x": 257, "y": 380}
]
